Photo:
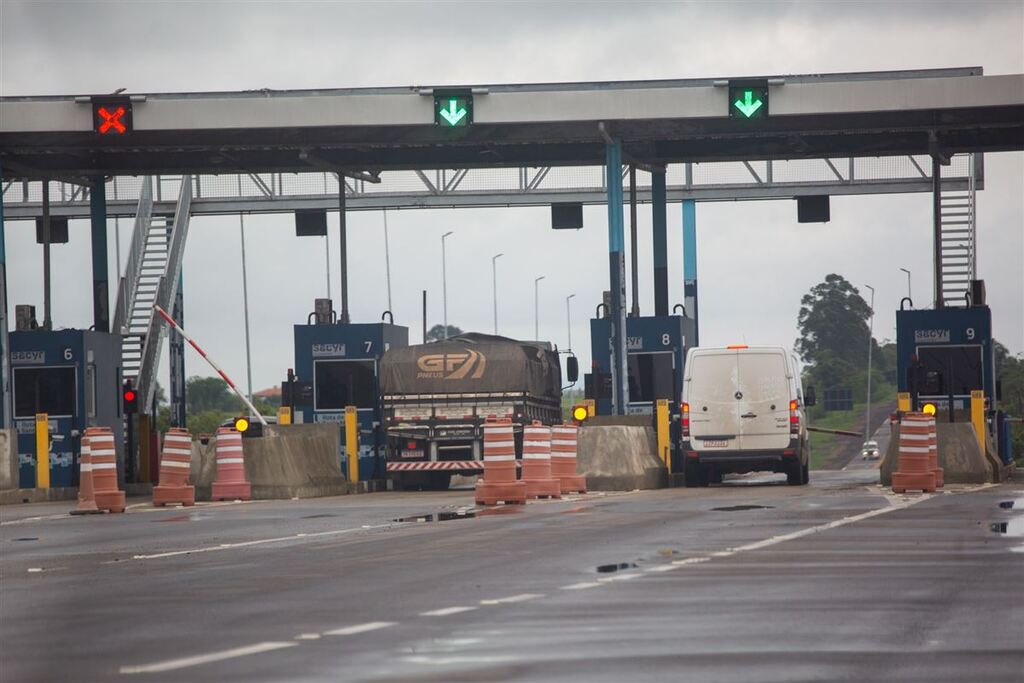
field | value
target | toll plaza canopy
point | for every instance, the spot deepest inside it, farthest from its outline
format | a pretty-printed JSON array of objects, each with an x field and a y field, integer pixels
[{"x": 366, "y": 130}]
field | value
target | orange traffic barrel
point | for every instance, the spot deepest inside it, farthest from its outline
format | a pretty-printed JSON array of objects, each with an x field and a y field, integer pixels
[
  {"x": 86, "y": 497},
  {"x": 103, "y": 457},
  {"x": 499, "y": 479},
  {"x": 537, "y": 463},
  {"x": 231, "y": 483},
  {"x": 914, "y": 470},
  {"x": 175, "y": 466},
  {"x": 563, "y": 458}
]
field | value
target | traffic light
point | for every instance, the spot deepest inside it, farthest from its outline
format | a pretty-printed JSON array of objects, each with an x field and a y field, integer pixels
[
  {"x": 928, "y": 409},
  {"x": 580, "y": 413},
  {"x": 129, "y": 399},
  {"x": 241, "y": 424}
]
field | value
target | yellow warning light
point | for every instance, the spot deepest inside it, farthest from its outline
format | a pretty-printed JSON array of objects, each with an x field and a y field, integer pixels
[
  {"x": 241, "y": 424},
  {"x": 580, "y": 413},
  {"x": 929, "y": 409}
]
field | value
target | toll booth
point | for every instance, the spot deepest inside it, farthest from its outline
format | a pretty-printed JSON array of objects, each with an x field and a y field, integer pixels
[
  {"x": 74, "y": 376},
  {"x": 943, "y": 355},
  {"x": 655, "y": 351},
  {"x": 339, "y": 364}
]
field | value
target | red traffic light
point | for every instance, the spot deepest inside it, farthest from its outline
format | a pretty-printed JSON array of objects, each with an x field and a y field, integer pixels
[
  {"x": 112, "y": 116},
  {"x": 129, "y": 395}
]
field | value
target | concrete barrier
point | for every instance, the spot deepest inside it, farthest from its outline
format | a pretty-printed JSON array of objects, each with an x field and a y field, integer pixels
[
  {"x": 8, "y": 459},
  {"x": 960, "y": 457},
  {"x": 620, "y": 457},
  {"x": 288, "y": 461}
]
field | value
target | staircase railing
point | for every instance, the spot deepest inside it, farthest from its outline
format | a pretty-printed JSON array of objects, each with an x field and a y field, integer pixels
[
  {"x": 133, "y": 267},
  {"x": 166, "y": 291}
]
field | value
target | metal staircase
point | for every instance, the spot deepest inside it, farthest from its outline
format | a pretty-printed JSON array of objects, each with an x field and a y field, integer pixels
[
  {"x": 957, "y": 255},
  {"x": 150, "y": 277}
]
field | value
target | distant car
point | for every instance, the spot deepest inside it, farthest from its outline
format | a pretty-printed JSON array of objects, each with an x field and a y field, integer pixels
[{"x": 869, "y": 451}]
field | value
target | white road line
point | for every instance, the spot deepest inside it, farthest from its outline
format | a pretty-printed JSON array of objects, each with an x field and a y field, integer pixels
[
  {"x": 307, "y": 636},
  {"x": 621, "y": 577},
  {"x": 262, "y": 541},
  {"x": 581, "y": 586},
  {"x": 360, "y": 628},
  {"x": 184, "y": 662},
  {"x": 459, "y": 659},
  {"x": 445, "y": 611},
  {"x": 662, "y": 568},
  {"x": 522, "y": 597}
]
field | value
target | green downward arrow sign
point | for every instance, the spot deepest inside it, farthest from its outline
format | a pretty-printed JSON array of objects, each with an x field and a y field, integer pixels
[
  {"x": 748, "y": 105},
  {"x": 453, "y": 114}
]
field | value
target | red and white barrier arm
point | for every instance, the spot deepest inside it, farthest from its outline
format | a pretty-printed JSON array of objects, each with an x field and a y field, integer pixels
[{"x": 176, "y": 326}]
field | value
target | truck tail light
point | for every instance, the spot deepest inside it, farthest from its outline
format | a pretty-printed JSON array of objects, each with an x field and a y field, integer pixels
[
  {"x": 686, "y": 418},
  {"x": 794, "y": 419}
]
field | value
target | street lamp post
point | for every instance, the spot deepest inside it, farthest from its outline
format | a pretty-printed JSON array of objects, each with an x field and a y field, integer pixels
[
  {"x": 909, "y": 296},
  {"x": 871, "y": 328},
  {"x": 444, "y": 284},
  {"x": 536, "y": 308},
  {"x": 494, "y": 284},
  {"x": 568, "y": 320}
]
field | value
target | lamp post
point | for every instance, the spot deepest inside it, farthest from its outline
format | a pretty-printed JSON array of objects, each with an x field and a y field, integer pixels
[
  {"x": 494, "y": 284},
  {"x": 444, "y": 284},
  {"x": 568, "y": 320},
  {"x": 536, "y": 308},
  {"x": 909, "y": 296},
  {"x": 871, "y": 328}
]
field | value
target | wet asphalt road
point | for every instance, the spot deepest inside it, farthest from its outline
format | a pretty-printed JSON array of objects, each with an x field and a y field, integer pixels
[{"x": 835, "y": 581}]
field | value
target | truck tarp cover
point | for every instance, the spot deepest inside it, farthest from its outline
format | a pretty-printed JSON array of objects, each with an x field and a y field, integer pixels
[{"x": 472, "y": 363}]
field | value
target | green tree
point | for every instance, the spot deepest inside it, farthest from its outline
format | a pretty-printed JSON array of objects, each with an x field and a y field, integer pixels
[
  {"x": 436, "y": 333},
  {"x": 204, "y": 394},
  {"x": 833, "y": 324}
]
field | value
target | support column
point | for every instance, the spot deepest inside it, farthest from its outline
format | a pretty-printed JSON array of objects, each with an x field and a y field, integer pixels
[
  {"x": 617, "y": 275},
  {"x": 5, "y": 367},
  {"x": 47, "y": 321},
  {"x": 100, "y": 277},
  {"x": 343, "y": 318},
  {"x": 633, "y": 274},
  {"x": 937, "y": 228},
  {"x": 690, "y": 265},
  {"x": 659, "y": 218},
  {"x": 177, "y": 359}
]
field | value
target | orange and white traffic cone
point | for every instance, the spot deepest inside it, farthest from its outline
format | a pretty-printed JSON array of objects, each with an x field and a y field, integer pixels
[
  {"x": 915, "y": 468},
  {"x": 175, "y": 465},
  {"x": 231, "y": 483},
  {"x": 499, "y": 482},
  {"x": 537, "y": 463},
  {"x": 104, "y": 470},
  {"x": 86, "y": 497},
  {"x": 933, "y": 453},
  {"x": 563, "y": 459}
]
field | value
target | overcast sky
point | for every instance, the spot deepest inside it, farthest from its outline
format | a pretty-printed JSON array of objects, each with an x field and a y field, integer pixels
[{"x": 754, "y": 260}]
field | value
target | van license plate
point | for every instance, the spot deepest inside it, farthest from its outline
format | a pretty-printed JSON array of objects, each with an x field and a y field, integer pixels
[{"x": 715, "y": 443}]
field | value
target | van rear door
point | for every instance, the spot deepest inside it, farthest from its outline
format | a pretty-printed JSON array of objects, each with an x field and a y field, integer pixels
[
  {"x": 710, "y": 391},
  {"x": 764, "y": 407}
]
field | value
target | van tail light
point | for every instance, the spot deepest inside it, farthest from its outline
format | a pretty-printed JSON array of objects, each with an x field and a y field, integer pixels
[
  {"x": 794, "y": 419},
  {"x": 686, "y": 418}
]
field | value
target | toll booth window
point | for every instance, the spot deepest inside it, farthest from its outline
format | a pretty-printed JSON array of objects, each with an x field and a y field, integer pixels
[
  {"x": 951, "y": 369},
  {"x": 340, "y": 383},
  {"x": 44, "y": 390},
  {"x": 650, "y": 377}
]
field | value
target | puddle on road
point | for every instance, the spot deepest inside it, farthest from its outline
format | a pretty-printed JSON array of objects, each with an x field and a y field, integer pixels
[
  {"x": 26, "y": 538},
  {"x": 741, "y": 508},
  {"x": 1007, "y": 504},
  {"x": 440, "y": 516},
  {"x": 609, "y": 568},
  {"x": 1013, "y": 527},
  {"x": 320, "y": 516}
]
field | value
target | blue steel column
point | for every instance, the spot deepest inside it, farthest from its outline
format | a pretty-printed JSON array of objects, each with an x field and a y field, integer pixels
[
  {"x": 100, "y": 277},
  {"x": 5, "y": 368},
  {"x": 617, "y": 273},
  {"x": 690, "y": 265},
  {"x": 659, "y": 219}
]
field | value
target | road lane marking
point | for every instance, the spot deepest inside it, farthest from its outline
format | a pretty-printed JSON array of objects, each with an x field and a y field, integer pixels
[
  {"x": 262, "y": 541},
  {"x": 662, "y": 568},
  {"x": 445, "y": 611},
  {"x": 583, "y": 585},
  {"x": 621, "y": 577},
  {"x": 360, "y": 628},
  {"x": 459, "y": 659},
  {"x": 185, "y": 662},
  {"x": 307, "y": 636},
  {"x": 522, "y": 597}
]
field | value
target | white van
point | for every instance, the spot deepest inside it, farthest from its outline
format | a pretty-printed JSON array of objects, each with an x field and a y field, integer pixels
[{"x": 743, "y": 411}]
